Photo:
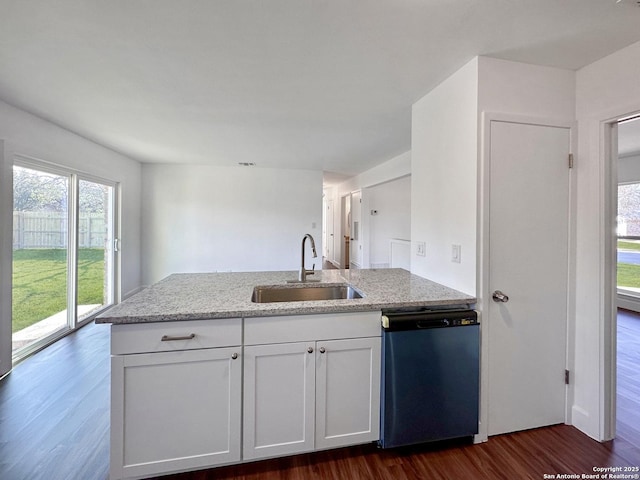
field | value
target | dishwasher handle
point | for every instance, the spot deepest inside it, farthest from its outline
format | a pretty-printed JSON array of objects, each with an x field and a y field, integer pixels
[
  {"x": 419, "y": 320},
  {"x": 433, "y": 323}
]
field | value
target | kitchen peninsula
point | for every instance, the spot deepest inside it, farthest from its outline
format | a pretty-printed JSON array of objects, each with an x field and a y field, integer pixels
[{"x": 202, "y": 375}]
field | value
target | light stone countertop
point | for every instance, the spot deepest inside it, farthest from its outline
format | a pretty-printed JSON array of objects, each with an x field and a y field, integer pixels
[{"x": 200, "y": 296}]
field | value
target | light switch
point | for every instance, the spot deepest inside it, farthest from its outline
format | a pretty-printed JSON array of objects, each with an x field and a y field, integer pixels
[
  {"x": 456, "y": 252},
  {"x": 421, "y": 249}
]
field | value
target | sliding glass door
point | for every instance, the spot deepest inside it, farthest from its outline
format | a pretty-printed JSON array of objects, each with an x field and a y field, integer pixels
[
  {"x": 95, "y": 243},
  {"x": 629, "y": 239},
  {"x": 40, "y": 255},
  {"x": 63, "y": 257}
]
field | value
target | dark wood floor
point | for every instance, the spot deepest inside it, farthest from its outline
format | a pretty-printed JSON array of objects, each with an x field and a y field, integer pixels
[
  {"x": 54, "y": 411},
  {"x": 54, "y": 414},
  {"x": 628, "y": 389}
]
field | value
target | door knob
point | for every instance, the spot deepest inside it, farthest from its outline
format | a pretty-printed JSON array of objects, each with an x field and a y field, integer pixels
[{"x": 498, "y": 296}]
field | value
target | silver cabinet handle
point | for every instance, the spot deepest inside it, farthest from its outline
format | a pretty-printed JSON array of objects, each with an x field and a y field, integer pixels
[
  {"x": 234, "y": 356},
  {"x": 167, "y": 338},
  {"x": 322, "y": 350},
  {"x": 498, "y": 296},
  {"x": 310, "y": 349}
]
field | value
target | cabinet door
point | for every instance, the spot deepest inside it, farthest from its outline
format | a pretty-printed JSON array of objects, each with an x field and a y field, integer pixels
[
  {"x": 279, "y": 389},
  {"x": 175, "y": 411},
  {"x": 347, "y": 392}
]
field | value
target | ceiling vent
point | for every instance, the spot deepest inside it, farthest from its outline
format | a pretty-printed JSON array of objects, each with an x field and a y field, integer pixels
[{"x": 247, "y": 164}]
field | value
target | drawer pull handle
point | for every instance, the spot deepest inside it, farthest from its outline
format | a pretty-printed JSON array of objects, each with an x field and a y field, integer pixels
[{"x": 167, "y": 338}]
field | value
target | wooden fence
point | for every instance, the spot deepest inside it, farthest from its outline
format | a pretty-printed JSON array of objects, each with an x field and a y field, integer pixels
[
  {"x": 49, "y": 230},
  {"x": 628, "y": 227}
]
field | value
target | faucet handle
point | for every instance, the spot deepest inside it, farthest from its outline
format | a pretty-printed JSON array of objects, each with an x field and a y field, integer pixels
[{"x": 312, "y": 271}]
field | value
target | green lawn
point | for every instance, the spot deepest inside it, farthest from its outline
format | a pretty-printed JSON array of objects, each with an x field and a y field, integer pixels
[
  {"x": 628, "y": 275},
  {"x": 39, "y": 282},
  {"x": 628, "y": 245}
]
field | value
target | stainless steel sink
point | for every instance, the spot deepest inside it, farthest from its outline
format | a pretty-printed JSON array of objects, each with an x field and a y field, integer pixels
[{"x": 303, "y": 293}]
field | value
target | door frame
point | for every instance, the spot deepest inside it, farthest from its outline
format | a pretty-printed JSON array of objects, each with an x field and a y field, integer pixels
[
  {"x": 608, "y": 159},
  {"x": 608, "y": 356},
  {"x": 6, "y": 260},
  {"x": 329, "y": 229},
  {"x": 74, "y": 176},
  {"x": 482, "y": 272},
  {"x": 356, "y": 233}
]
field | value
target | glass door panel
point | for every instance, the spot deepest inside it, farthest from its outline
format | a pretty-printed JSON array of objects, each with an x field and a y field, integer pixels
[
  {"x": 40, "y": 256},
  {"x": 95, "y": 247},
  {"x": 629, "y": 238}
]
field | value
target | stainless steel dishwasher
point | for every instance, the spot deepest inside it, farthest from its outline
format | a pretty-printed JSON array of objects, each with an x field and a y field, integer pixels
[{"x": 430, "y": 375}]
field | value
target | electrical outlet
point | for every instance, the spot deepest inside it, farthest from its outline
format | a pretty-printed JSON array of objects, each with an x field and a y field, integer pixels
[
  {"x": 456, "y": 252},
  {"x": 421, "y": 249}
]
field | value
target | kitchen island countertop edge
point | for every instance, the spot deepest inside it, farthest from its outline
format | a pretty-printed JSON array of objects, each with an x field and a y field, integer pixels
[{"x": 205, "y": 296}]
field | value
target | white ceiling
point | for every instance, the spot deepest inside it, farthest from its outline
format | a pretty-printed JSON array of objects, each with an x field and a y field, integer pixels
[{"x": 317, "y": 84}]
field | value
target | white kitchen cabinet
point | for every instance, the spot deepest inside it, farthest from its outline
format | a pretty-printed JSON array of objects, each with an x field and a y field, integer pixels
[
  {"x": 347, "y": 392},
  {"x": 315, "y": 393},
  {"x": 279, "y": 399},
  {"x": 175, "y": 410},
  {"x": 179, "y": 400}
]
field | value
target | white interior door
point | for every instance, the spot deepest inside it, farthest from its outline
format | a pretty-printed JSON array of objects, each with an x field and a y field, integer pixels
[
  {"x": 356, "y": 229},
  {"x": 330, "y": 225},
  {"x": 528, "y": 257}
]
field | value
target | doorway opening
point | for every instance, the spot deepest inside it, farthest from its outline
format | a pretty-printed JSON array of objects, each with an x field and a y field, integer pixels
[
  {"x": 626, "y": 321},
  {"x": 628, "y": 210},
  {"x": 63, "y": 253},
  {"x": 345, "y": 220}
]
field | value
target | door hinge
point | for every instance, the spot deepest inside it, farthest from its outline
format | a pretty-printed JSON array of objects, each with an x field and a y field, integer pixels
[
  {"x": 571, "y": 160},
  {"x": 566, "y": 377}
]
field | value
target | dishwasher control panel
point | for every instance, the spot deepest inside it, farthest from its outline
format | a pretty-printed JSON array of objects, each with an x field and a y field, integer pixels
[{"x": 423, "y": 318}]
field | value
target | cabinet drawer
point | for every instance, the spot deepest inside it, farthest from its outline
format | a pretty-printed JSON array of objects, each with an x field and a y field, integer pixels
[
  {"x": 167, "y": 336},
  {"x": 305, "y": 328}
]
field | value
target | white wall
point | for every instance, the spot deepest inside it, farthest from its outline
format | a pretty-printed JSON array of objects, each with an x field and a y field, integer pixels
[
  {"x": 393, "y": 168},
  {"x": 447, "y": 151},
  {"x": 27, "y": 135},
  {"x": 524, "y": 89},
  {"x": 392, "y": 201},
  {"x": 204, "y": 218},
  {"x": 605, "y": 90},
  {"x": 444, "y": 157}
]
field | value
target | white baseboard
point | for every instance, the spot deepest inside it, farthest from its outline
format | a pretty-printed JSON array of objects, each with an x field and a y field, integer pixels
[{"x": 133, "y": 292}]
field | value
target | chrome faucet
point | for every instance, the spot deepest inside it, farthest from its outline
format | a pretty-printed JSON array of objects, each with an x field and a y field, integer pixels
[{"x": 303, "y": 271}]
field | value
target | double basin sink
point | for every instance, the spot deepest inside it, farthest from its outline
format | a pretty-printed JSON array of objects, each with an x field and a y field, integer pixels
[{"x": 303, "y": 293}]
